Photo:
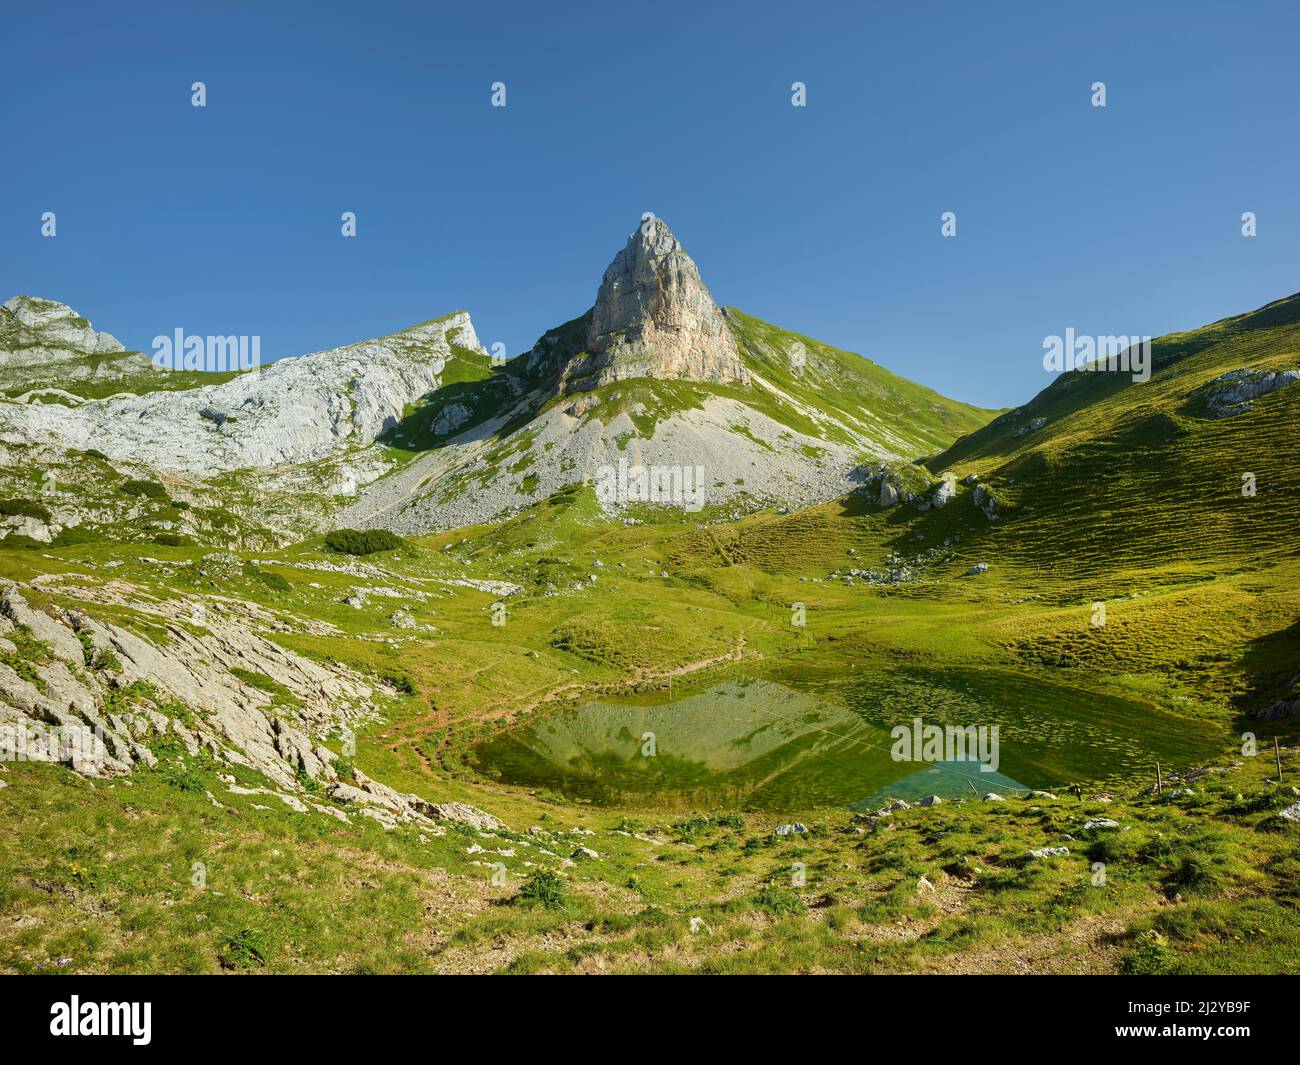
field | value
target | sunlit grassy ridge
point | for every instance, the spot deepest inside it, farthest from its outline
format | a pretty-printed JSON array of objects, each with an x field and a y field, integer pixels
[
  {"x": 861, "y": 394},
  {"x": 1128, "y": 474}
]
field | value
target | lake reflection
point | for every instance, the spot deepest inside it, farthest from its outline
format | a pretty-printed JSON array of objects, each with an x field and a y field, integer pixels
[{"x": 825, "y": 741}]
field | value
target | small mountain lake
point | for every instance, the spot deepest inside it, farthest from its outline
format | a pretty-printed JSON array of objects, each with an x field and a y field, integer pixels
[{"x": 800, "y": 737}]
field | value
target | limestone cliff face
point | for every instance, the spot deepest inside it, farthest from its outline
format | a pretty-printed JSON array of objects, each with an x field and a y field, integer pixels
[
  {"x": 61, "y": 711},
  {"x": 654, "y": 318},
  {"x": 293, "y": 411}
]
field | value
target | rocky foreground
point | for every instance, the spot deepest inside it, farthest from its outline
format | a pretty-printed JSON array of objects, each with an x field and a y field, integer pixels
[{"x": 88, "y": 693}]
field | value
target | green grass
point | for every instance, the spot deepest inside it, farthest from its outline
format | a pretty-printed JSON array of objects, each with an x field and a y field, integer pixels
[{"x": 1119, "y": 499}]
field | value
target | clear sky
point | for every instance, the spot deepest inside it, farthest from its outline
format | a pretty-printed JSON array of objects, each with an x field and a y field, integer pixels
[{"x": 824, "y": 219}]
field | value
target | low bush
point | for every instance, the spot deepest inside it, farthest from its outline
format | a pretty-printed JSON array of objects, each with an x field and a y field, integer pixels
[{"x": 362, "y": 541}]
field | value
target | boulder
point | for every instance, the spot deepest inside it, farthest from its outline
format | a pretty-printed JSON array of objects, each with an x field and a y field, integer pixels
[{"x": 1234, "y": 392}]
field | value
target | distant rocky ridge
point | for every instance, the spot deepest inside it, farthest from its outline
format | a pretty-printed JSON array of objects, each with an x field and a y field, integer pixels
[
  {"x": 43, "y": 341},
  {"x": 42, "y": 329},
  {"x": 765, "y": 415},
  {"x": 296, "y": 410}
]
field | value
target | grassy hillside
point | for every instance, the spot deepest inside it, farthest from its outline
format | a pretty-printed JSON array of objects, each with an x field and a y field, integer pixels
[
  {"x": 1203, "y": 880},
  {"x": 811, "y": 376},
  {"x": 1129, "y": 474}
]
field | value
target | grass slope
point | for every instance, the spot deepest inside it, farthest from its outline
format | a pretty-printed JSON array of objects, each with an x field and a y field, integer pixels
[
  {"x": 1137, "y": 474},
  {"x": 911, "y": 419}
]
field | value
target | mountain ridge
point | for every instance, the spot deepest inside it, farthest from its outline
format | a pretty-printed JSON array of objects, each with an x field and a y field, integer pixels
[{"x": 419, "y": 429}]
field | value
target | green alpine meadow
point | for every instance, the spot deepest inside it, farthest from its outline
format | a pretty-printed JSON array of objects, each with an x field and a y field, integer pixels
[{"x": 682, "y": 642}]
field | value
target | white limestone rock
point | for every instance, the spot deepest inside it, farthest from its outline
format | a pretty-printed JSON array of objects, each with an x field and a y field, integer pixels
[
  {"x": 1234, "y": 392},
  {"x": 654, "y": 318},
  {"x": 296, "y": 410}
]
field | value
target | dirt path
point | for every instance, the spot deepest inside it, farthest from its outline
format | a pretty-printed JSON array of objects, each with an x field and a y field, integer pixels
[
  {"x": 510, "y": 714},
  {"x": 638, "y": 676}
]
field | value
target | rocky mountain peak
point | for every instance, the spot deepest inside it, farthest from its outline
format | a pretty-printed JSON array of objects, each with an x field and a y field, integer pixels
[
  {"x": 35, "y": 322},
  {"x": 654, "y": 318}
]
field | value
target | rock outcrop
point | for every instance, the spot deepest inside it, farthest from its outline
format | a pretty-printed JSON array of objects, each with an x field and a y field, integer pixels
[
  {"x": 296, "y": 410},
  {"x": 985, "y": 500},
  {"x": 32, "y": 329},
  {"x": 1287, "y": 706},
  {"x": 654, "y": 318},
  {"x": 1234, "y": 392},
  {"x": 109, "y": 689},
  {"x": 93, "y": 695},
  {"x": 44, "y": 344}
]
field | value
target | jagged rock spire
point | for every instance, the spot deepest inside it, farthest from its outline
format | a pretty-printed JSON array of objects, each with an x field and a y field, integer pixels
[{"x": 654, "y": 318}]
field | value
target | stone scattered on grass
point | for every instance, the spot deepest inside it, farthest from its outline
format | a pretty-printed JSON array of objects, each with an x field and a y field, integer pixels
[{"x": 1290, "y": 813}]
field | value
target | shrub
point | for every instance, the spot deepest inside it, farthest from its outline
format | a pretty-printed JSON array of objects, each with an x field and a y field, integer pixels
[
  {"x": 362, "y": 541},
  {"x": 544, "y": 888},
  {"x": 72, "y": 536},
  {"x": 106, "y": 661},
  {"x": 28, "y": 653},
  {"x": 24, "y": 508},
  {"x": 169, "y": 539},
  {"x": 145, "y": 489},
  {"x": 272, "y": 580},
  {"x": 400, "y": 681},
  {"x": 779, "y": 901},
  {"x": 1149, "y": 958},
  {"x": 28, "y": 543},
  {"x": 185, "y": 779},
  {"x": 305, "y": 781}
]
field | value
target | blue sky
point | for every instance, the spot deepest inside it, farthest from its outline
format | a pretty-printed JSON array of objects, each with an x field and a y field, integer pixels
[{"x": 823, "y": 219}]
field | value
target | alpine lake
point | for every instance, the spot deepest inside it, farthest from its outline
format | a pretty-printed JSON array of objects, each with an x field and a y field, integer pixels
[{"x": 800, "y": 737}]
